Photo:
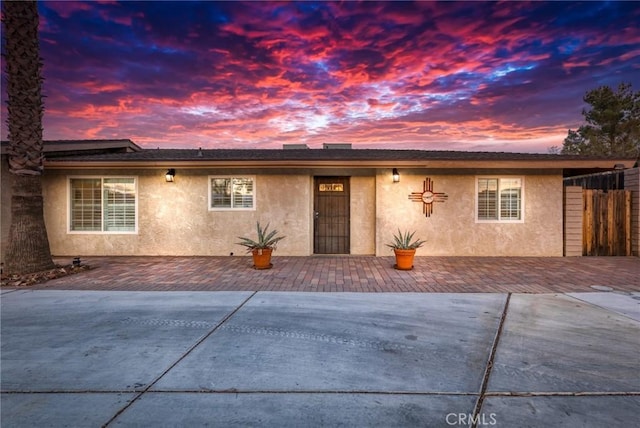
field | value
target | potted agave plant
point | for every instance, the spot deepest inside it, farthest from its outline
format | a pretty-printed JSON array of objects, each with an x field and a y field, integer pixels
[
  {"x": 261, "y": 248},
  {"x": 404, "y": 247}
]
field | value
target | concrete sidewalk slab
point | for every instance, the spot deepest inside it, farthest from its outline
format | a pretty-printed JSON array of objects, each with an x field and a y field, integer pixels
[
  {"x": 627, "y": 304},
  {"x": 401, "y": 342},
  {"x": 101, "y": 341},
  {"x": 557, "y": 343},
  {"x": 61, "y": 409},
  {"x": 544, "y": 412},
  {"x": 293, "y": 410}
]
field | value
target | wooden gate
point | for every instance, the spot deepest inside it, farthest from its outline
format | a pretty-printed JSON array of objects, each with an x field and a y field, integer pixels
[{"x": 606, "y": 223}]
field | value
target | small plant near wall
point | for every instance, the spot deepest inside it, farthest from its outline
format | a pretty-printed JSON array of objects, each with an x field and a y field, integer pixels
[
  {"x": 262, "y": 247},
  {"x": 404, "y": 246}
]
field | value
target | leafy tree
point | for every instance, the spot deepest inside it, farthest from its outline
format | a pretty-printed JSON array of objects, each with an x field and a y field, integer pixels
[
  {"x": 554, "y": 150},
  {"x": 28, "y": 246},
  {"x": 612, "y": 124}
]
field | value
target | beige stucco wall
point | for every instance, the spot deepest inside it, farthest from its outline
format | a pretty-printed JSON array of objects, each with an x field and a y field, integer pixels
[
  {"x": 363, "y": 215},
  {"x": 173, "y": 218},
  {"x": 452, "y": 228}
]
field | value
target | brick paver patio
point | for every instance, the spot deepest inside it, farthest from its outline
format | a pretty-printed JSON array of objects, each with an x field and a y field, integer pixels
[{"x": 356, "y": 274}]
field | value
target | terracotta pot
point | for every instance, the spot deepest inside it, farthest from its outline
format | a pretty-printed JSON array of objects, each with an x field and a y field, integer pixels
[
  {"x": 404, "y": 259},
  {"x": 262, "y": 258}
]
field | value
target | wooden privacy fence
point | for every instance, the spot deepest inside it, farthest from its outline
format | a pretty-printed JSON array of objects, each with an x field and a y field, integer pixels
[{"x": 606, "y": 223}]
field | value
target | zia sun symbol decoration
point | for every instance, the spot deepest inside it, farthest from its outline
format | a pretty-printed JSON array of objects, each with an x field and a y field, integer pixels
[{"x": 428, "y": 197}]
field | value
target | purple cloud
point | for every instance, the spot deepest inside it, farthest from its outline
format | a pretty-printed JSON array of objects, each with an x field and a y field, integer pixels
[{"x": 453, "y": 75}]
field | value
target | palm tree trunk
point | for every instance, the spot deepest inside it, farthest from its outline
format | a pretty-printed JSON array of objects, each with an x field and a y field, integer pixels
[{"x": 28, "y": 248}]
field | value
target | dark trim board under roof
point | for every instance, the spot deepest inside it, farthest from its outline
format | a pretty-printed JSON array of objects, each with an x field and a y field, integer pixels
[{"x": 337, "y": 158}]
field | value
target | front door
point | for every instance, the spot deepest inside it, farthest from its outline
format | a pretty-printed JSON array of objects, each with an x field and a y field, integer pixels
[{"x": 331, "y": 215}]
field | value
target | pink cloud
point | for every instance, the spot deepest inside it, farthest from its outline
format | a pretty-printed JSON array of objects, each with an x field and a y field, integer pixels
[{"x": 375, "y": 74}]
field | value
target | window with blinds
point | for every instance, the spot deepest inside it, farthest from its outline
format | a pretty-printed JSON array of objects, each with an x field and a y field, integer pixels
[
  {"x": 499, "y": 199},
  {"x": 103, "y": 205},
  {"x": 231, "y": 193}
]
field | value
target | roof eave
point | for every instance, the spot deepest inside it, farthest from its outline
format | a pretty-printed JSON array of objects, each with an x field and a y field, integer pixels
[{"x": 434, "y": 164}]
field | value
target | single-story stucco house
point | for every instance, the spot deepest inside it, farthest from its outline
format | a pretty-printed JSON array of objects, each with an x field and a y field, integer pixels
[{"x": 114, "y": 198}]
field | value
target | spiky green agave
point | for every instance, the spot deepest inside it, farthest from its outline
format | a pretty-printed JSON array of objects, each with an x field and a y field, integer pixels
[
  {"x": 405, "y": 241},
  {"x": 265, "y": 239}
]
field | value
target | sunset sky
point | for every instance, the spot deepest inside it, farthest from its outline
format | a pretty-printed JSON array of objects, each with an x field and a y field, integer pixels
[{"x": 505, "y": 76}]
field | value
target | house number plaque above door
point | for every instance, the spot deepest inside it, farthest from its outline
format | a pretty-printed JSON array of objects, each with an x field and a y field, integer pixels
[
  {"x": 331, "y": 187},
  {"x": 428, "y": 197}
]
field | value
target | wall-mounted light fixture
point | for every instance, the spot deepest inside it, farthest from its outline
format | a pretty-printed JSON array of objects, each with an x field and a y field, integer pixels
[
  {"x": 171, "y": 173},
  {"x": 396, "y": 175}
]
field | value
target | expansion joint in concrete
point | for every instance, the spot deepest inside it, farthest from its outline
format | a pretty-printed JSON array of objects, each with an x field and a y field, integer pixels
[
  {"x": 182, "y": 357},
  {"x": 489, "y": 366}
]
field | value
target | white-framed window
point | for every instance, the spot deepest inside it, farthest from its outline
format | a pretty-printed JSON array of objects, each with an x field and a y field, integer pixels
[
  {"x": 103, "y": 205},
  {"x": 232, "y": 193},
  {"x": 500, "y": 199}
]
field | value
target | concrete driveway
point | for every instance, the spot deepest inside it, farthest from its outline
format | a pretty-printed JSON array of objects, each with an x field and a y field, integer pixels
[{"x": 126, "y": 358}]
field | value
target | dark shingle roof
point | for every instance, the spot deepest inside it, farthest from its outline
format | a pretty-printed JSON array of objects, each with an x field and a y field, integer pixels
[
  {"x": 312, "y": 155},
  {"x": 64, "y": 148}
]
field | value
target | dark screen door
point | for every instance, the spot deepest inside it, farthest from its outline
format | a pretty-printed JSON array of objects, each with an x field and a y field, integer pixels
[{"x": 331, "y": 215}]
